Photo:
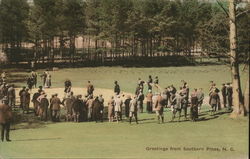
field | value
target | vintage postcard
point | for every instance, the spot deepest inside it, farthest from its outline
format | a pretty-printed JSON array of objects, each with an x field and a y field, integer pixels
[{"x": 124, "y": 79}]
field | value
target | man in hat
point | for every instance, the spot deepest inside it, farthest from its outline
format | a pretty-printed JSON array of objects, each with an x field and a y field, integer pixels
[
  {"x": 118, "y": 108},
  {"x": 90, "y": 88},
  {"x": 5, "y": 119},
  {"x": 224, "y": 94},
  {"x": 140, "y": 100},
  {"x": 97, "y": 110},
  {"x": 77, "y": 104},
  {"x": 214, "y": 100},
  {"x": 26, "y": 100},
  {"x": 176, "y": 102},
  {"x": 149, "y": 101},
  {"x": 194, "y": 106},
  {"x": 68, "y": 86},
  {"x": 30, "y": 82},
  {"x": 229, "y": 96},
  {"x": 200, "y": 96},
  {"x": 55, "y": 103},
  {"x": 21, "y": 97},
  {"x": 35, "y": 101},
  {"x": 150, "y": 82},
  {"x": 127, "y": 103},
  {"x": 44, "y": 105},
  {"x": 34, "y": 77},
  {"x": 101, "y": 100},
  {"x": 117, "y": 89},
  {"x": 68, "y": 103},
  {"x": 133, "y": 110},
  {"x": 44, "y": 77},
  {"x": 11, "y": 96},
  {"x": 159, "y": 109}
]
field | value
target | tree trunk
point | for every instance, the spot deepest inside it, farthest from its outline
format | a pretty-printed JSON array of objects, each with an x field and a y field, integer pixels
[
  {"x": 246, "y": 96},
  {"x": 237, "y": 93}
]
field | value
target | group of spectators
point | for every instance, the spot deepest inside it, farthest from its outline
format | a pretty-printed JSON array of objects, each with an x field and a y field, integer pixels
[{"x": 91, "y": 107}]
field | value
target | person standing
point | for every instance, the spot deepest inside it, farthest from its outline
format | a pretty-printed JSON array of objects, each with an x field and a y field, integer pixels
[
  {"x": 149, "y": 101},
  {"x": 34, "y": 77},
  {"x": 156, "y": 83},
  {"x": 200, "y": 96},
  {"x": 184, "y": 102},
  {"x": 126, "y": 103},
  {"x": 117, "y": 89},
  {"x": 55, "y": 103},
  {"x": 176, "y": 100},
  {"x": 140, "y": 101},
  {"x": 118, "y": 108},
  {"x": 48, "y": 80},
  {"x": 67, "y": 85},
  {"x": 133, "y": 110},
  {"x": 77, "y": 108},
  {"x": 44, "y": 77},
  {"x": 5, "y": 120},
  {"x": 150, "y": 82},
  {"x": 26, "y": 99},
  {"x": 160, "y": 109},
  {"x": 90, "y": 88},
  {"x": 30, "y": 82},
  {"x": 89, "y": 104},
  {"x": 229, "y": 96},
  {"x": 194, "y": 106},
  {"x": 44, "y": 105},
  {"x": 68, "y": 103},
  {"x": 21, "y": 97},
  {"x": 111, "y": 104},
  {"x": 224, "y": 94},
  {"x": 140, "y": 85},
  {"x": 97, "y": 110},
  {"x": 36, "y": 102},
  {"x": 11, "y": 96},
  {"x": 214, "y": 101},
  {"x": 101, "y": 100}
]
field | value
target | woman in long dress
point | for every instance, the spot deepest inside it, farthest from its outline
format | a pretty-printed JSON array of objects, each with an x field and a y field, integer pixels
[
  {"x": 48, "y": 81},
  {"x": 111, "y": 104}
]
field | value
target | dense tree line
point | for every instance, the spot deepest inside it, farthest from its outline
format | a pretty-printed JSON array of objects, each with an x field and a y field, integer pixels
[{"x": 117, "y": 27}]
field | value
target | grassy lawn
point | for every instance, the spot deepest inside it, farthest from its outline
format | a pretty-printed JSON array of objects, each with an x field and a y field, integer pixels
[
  {"x": 112, "y": 140},
  {"x": 104, "y": 77}
]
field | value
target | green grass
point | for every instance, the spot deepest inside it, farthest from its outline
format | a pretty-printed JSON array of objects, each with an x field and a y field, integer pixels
[
  {"x": 104, "y": 77},
  {"x": 112, "y": 140}
]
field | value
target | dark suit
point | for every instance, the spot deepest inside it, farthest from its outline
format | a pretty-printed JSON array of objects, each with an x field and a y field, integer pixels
[
  {"x": 224, "y": 95},
  {"x": 230, "y": 96},
  {"x": 97, "y": 108},
  {"x": 5, "y": 119},
  {"x": 214, "y": 100}
]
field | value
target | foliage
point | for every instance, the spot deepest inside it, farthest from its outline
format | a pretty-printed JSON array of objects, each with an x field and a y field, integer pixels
[{"x": 134, "y": 27}]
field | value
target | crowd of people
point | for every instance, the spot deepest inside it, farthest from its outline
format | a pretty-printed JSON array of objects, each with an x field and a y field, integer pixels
[{"x": 91, "y": 107}]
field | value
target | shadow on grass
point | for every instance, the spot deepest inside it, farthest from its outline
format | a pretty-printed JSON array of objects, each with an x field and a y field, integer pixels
[
  {"x": 58, "y": 138},
  {"x": 206, "y": 119},
  {"x": 146, "y": 119},
  {"x": 224, "y": 112},
  {"x": 27, "y": 121}
]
